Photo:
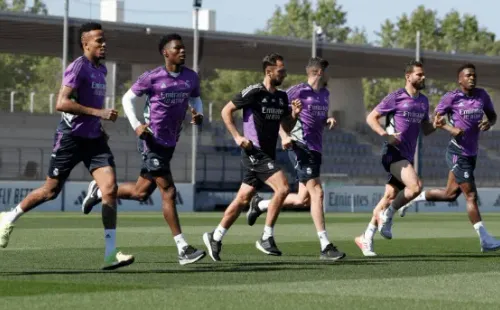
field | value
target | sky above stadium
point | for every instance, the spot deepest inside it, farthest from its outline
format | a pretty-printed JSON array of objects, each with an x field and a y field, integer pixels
[{"x": 247, "y": 16}]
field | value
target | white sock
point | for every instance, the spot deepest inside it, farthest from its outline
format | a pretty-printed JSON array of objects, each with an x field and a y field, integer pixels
[
  {"x": 420, "y": 197},
  {"x": 323, "y": 239},
  {"x": 268, "y": 232},
  {"x": 110, "y": 239},
  {"x": 481, "y": 231},
  {"x": 370, "y": 231},
  {"x": 180, "y": 242},
  {"x": 219, "y": 232},
  {"x": 12, "y": 216},
  {"x": 263, "y": 204},
  {"x": 99, "y": 194},
  {"x": 390, "y": 211}
]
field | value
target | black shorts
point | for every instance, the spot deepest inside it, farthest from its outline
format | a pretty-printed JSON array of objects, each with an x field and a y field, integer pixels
[
  {"x": 69, "y": 151},
  {"x": 155, "y": 158},
  {"x": 257, "y": 166},
  {"x": 391, "y": 155},
  {"x": 307, "y": 163},
  {"x": 462, "y": 166}
]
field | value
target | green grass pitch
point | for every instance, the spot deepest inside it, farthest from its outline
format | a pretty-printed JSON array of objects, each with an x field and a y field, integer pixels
[{"x": 433, "y": 262}]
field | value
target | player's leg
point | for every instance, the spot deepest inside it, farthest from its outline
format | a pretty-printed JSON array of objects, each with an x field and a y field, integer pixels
[
  {"x": 213, "y": 240},
  {"x": 275, "y": 179},
  {"x": 99, "y": 160},
  {"x": 450, "y": 193},
  {"x": 365, "y": 240},
  {"x": 293, "y": 200},
  {"x": 328, "y": 250},
  {"x": 65, "y": 155},
  {"x": 49, "y": 191},
  {"x": 187, "y": 254},
  {"x": 404, "y": 172},
  {"x": 140, "y": 191}
]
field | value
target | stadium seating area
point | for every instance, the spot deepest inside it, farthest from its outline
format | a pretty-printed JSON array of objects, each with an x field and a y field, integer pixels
[{"x": 26, "y": 143}]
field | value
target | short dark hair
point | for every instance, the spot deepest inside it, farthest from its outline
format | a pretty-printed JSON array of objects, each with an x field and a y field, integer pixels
[
  {"x": 411, "y": 66},
  {"x": 166, "y": 39},
  {"x": 318, "y": 62},
  {"x": 465, "y": 66},
  {"x": 87, "y": 27},
  {"x": 271, "y": 60}
]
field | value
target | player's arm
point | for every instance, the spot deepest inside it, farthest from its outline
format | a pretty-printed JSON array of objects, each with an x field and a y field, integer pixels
[
  {"x": 196, "y": 110},
  {"x": 129, "y": 100},
  {"x": 196, "y": 104},
  {"x": 290, "y": 118},
  {"x": 428, "y": 127},
  {"x": 490, "y": 113},
  {"x": 445, "y": 107},
  {"x": 386, "y": 106},
  {"x": 286, "y": 139},
  {"x": 227, "y": 117},
  {"x": 67, "y": 105},
  {"x": 373, "y": 120}
]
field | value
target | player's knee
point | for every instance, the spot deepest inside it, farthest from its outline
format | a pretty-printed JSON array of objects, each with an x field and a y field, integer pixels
[
  {"x": 109, "y": 190},
  {"x": 318, "y": 193},
  {"x": 282, "y": 191},
  {"x": 414, "y": 190},
  {"x": 453, "y": 195},
  {"x": 169, "y": 193},
  {"x": 142, "y": 196},
  {"x": 471, "y": 197},
  {"x": 51, "y": 193},
  {"x": 389, "y": 196}
]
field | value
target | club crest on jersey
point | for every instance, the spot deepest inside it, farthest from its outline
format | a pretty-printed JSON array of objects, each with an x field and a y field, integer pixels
[
  {"x": 156, "y": 162},
  {"x": 309, "y": 171},
  {"x": 188, "y": 84},
  {"x": 55, "y": 172},
  {"x": 281, "y": 102},
  {"x": 270, "y": 165}
]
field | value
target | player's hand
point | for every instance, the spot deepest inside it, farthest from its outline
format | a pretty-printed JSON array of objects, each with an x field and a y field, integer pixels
[
  {"x": 143, "y": 131},
  {"x": 331, "y": 122},
  {"x": 394, "y": 139},
  {"x": 196, "y": 118},
  {"x": 108, "y": 114},
  {"x": 484, "y": 125},
  {"x": 457, "y": 132},
  {"x": 244, "y": 143},
  {"x": 439, "y": 121},
  {"x": 296, "y": 107},
  {"x": 287, "y": 143}
]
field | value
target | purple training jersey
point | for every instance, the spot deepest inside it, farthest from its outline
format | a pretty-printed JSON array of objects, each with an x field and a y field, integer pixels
[
  {"x": 404, "y": 115},
  {"x": 466, "y": 113},
  {"x": 89, "y": 89},
  {"x": 167, "y": 101},
  {"x": 309, "y": 127}
]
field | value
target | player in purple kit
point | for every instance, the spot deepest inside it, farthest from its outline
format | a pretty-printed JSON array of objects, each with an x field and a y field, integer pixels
[
  {"x": 304, "y": 147},
  {"x": 465, "y": 108},
  {"x": 79, "y": 137},
  {"x": 406, "y": 111},
  {"x": 264, "y": 109},
  {"x": 169, "y": 90}
]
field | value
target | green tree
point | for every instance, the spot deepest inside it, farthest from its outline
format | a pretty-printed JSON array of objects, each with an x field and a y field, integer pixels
[
  {"x": 295, "y": 20},
  {"x": 452, "y": 34},
  {"x": 26, "y": 73}
]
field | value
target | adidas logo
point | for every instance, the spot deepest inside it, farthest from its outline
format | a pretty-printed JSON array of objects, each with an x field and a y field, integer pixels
[
  {"x": 108, "y": 236},
  {"x": 461, "y": 104},
  {"x": 405, "y": 105},
  {"x": 163, "y": 85},
  {"x": 264, "y": 100}
]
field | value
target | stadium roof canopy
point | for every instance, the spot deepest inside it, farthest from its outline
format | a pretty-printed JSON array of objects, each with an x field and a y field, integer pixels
[{"x": 131, "y": 43}]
